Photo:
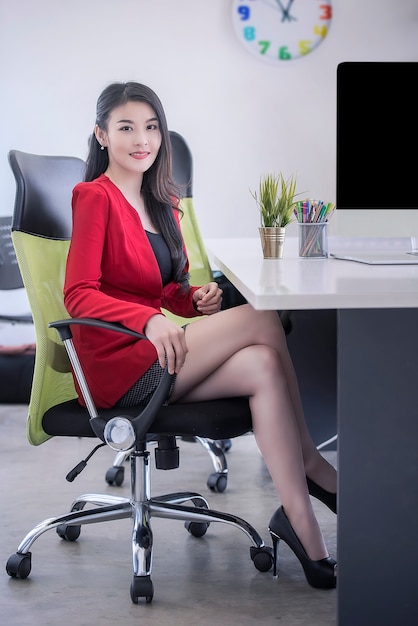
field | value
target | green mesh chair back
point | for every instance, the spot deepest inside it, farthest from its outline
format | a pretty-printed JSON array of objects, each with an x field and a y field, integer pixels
[
  {"x": 200, "y": 269},
  {"x": 41, "y": 247}
]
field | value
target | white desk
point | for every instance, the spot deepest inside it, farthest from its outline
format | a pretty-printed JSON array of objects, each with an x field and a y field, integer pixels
[
  {"x": 377, "y": 371},
  {"x": 294, "y": 283}
]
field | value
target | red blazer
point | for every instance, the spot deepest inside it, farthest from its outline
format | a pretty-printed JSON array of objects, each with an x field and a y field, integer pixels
[{"x": 112, "y": 274}]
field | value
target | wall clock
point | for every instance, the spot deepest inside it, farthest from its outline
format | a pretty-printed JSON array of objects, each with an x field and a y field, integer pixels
[{"x": 281, "y": 30}]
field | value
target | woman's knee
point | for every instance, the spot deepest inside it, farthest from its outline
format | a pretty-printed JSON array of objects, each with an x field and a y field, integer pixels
[{"x": 266, "y": 362}]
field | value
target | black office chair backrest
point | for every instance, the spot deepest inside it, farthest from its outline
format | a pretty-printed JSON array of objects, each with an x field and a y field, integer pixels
[
  {"x": 33, "y": 215},
  {"x": 182, "y": 164}
]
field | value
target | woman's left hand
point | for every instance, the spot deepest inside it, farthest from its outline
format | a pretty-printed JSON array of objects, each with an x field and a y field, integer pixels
[{"x": 208, "y": 298}]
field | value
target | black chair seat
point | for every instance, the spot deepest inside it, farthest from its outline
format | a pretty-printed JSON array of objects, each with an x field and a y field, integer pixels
[{"x": 203, "y": 419}]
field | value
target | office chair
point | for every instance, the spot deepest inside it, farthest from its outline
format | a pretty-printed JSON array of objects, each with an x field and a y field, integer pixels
[
  {"x": 41, "y": 236},
  {"x": 200, "y": 274}
]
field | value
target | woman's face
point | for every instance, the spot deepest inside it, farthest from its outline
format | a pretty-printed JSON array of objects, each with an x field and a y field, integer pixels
[{"x": 133, "y": 137}]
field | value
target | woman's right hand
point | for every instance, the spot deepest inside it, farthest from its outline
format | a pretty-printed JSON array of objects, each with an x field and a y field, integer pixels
[{"x": 169, "y": 340}]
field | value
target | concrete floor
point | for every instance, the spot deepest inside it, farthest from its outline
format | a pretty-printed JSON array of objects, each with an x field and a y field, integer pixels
[{"x": 196, "y": 581}]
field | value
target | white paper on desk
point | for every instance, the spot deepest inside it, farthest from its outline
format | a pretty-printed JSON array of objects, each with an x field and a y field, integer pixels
[
  {"x": 16, "y": 333},
  {"x": 375, "y": 250},
  {"x": 378, "y": 259}
]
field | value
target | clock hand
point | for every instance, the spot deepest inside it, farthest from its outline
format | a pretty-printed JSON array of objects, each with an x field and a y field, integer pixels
[
  {"x": 280, "y": 6},
  {"x": 285, "y": 11},
  {"x": 272, "y": 6}
]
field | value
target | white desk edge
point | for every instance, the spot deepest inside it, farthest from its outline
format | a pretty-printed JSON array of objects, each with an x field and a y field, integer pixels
[{"x": 295, "y": 283}]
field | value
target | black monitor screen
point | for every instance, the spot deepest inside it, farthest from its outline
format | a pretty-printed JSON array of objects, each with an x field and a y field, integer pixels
[{"x": 377, "y": 135}]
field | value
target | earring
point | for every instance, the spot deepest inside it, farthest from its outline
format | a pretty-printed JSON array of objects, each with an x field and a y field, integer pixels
[{"x": 102, "y": 147}]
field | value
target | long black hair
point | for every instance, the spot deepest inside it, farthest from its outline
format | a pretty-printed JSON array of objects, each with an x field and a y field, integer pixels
[{"x": 158, "y": 185}]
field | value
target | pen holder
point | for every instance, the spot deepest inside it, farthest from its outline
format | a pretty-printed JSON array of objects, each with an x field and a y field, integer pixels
[{"x": 313, "y": 240}]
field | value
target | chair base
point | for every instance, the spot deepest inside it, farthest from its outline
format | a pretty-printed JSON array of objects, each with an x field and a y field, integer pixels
[
  {"x": 217, "y": 480},
  {"x": 141, "y": 508}
]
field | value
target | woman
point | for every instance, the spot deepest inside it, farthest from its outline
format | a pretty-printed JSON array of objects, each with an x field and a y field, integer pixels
[{"x": 127, "y": 260}]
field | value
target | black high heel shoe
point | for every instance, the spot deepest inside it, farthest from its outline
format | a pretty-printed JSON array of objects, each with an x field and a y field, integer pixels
[
  {"x": 328, "y": 498},
  {"x": 319, "y": 574}
]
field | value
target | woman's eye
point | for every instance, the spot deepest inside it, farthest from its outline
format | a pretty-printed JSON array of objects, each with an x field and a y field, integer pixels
[{"x": 126, "y": 128}]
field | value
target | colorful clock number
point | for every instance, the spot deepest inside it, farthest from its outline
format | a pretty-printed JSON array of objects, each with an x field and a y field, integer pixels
[
  {"x": 249, "y": 33},
  {"x": 326, "y": 11},
  {"x": 244, "y": 11}
]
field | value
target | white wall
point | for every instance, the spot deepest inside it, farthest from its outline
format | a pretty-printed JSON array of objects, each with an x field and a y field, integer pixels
[{"x": 240, "y": 116}]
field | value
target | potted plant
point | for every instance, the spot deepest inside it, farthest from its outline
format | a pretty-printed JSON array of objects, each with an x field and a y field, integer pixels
[{"x": 276, "y": 201}]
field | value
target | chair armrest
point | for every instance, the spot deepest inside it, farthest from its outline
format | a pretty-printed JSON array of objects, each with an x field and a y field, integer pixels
[
  {"x": 142, "y": 422},
  {"x": 63, "y": 326}
]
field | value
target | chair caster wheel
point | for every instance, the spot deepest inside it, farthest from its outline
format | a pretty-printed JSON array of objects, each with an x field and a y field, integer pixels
[
  {"x": 68, "y": 533},
  {"x": 224, "y": 444},
  {"x": 115, "y": 476},
  {"x": 142, "y": 587},
  {"x": 217, "y": 482},
  {"x": 19, "y": 565},
  {"x": 262, "y": 558},
  {"x": 197, "y": 529}
]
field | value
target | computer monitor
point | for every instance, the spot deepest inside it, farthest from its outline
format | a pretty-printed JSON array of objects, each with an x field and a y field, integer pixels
[{"x": 377, "y": 136}]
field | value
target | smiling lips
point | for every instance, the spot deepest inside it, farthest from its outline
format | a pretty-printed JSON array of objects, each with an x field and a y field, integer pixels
[{"x": 139, "y": 155}]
